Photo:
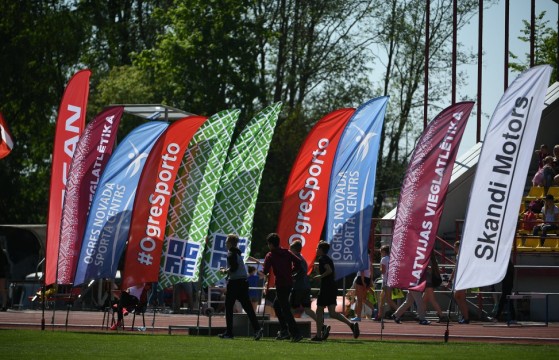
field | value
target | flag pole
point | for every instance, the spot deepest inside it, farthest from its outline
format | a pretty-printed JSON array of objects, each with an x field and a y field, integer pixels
[
  {"x": 44, "y": 289},
  {"x": 446, "y": 333},
  {"x": 453, "y": 279}
]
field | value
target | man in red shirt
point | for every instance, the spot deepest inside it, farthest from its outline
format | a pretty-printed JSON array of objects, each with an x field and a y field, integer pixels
[{"x": 284, "y": 264}]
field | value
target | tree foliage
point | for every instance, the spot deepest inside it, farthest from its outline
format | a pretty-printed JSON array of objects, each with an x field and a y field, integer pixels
[
  {"x": 403, "y": 42},
  {"x": 545, "y": 46},
  {"x": 206, "y": 56},
  {"x": 39, "y": 50}
]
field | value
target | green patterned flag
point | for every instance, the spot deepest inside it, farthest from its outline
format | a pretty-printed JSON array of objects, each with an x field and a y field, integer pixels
[
  {"x": 233, "y": 209},
  {"x": 194, "y": 193}
]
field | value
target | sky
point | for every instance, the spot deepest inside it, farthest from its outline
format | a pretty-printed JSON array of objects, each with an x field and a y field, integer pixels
[{"x": 493, "y": 58}]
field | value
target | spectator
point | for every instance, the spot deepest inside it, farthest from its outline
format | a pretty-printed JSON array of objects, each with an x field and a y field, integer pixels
[
  {"x": 550, "y": 214},
  {"x": 127, "y": 300},
  {"x": 556, "y": 162},
  {"x": 529, "y": 219},
  {"x": 254, "y": 283},
  {"x": 542, "y": 153},
  {"x": 545, "y": 175}
]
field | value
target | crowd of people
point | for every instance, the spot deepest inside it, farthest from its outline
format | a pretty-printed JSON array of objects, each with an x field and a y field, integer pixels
[
  {"x": 542, "y": 215},
  {"x": 292, "y": 296},
  {"x": 288, "y": 269},
  {"x": 292, "y": 291},
  {"x": 547, "y": 174},
  {"x": 292, "y": 285}
]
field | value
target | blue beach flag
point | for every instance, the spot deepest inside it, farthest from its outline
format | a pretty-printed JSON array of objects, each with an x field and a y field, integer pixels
[
  {"x": 352, "y": 184},
  {"x": 108, "y": 221}
]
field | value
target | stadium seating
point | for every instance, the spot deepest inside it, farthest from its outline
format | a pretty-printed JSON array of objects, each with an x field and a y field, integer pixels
[
  {"x": 552, "y": 244},
  {"x": 526, "y": 243},
  {"x": 531, "y": 243}
]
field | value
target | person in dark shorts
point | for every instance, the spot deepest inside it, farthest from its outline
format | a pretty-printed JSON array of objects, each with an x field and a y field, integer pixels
[
  {"x": 284, "y": 264},
  {"x": 327, "y": 297},
  {"x": 301, "y": 293},
  {"x": 237, "y": 289}
]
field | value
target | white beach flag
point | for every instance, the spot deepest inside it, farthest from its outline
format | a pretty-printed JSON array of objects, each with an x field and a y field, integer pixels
[{"x": 490, "y": 222}]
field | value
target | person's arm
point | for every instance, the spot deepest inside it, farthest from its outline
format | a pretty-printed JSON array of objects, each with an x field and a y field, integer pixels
[
  {"x": 296, "y": 263},
  {"x": 255, "y": 260}
]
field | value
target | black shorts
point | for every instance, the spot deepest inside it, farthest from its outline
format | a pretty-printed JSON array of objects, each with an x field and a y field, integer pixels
[
  {"x": 327, "y": 296},
  {"x": 359, "y": 282},
  {"x": 300, "y": 297}
]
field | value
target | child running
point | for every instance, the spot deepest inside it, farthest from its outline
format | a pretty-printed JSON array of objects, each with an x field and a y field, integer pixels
[{"x": 327, "y": 297}]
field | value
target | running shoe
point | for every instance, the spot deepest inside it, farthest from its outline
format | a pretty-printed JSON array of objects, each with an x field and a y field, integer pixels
[
  {"x": 325, "y": 332},
  {"x": 355, "y": 329},
  {"x": 297, "y": 338},
  {"x": 283, "y": 336}
]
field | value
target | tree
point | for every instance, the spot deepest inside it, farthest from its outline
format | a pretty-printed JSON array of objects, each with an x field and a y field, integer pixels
[
  {"x": 115, "y": 31},
  {"x": 545, "y": 46},
  {"x": 206, "y": 56},
  {"x": 314, "y": 60},
  {"x": 245, "y": 54},
  {"x": 204, "y": 62},
  {"x": 40, "y": 56},
  {"x": 403, "y": 41}
]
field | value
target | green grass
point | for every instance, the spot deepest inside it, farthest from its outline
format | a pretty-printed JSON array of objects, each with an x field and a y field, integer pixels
[{"x": 35, "y": 344}]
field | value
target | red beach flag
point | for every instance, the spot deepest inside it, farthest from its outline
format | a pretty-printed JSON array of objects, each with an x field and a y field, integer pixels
[
  {"x": 305, "y": 200},
  {"x": 151, "y": 205},
  {"x": 69, "y": 127},
  {"x": 6, "y": 140},
  {"x": 92, "y": 154}
]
